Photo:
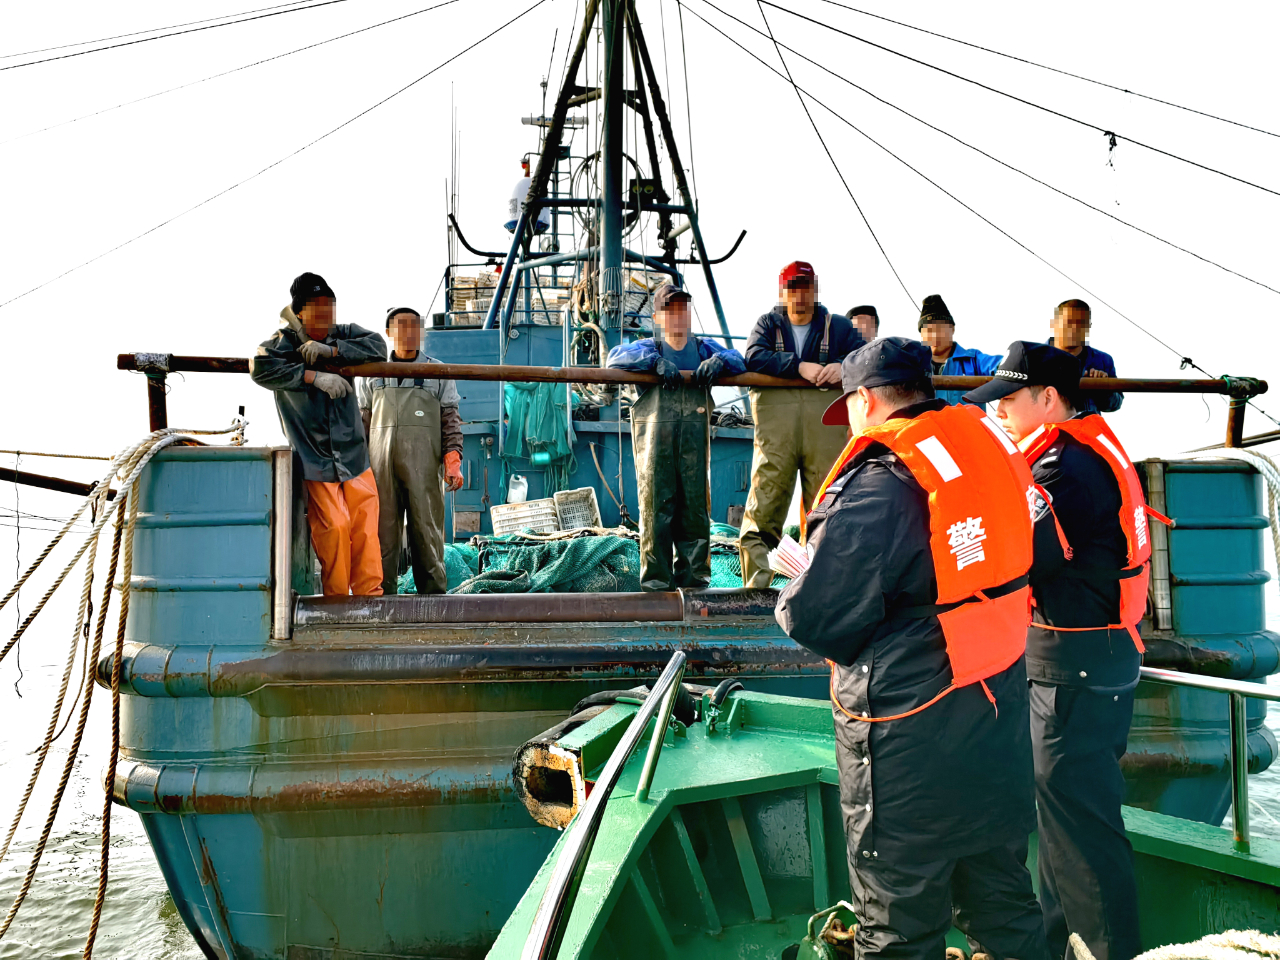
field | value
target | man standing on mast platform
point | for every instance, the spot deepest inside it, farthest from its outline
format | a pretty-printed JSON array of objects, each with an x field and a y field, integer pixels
[
  {"x": 319, "y": 414},
  {"x": 917, "y": 594},
  {"x": 798, "y": 338},
  {"x": 1089, "y": 580},
  {"x": 670, "y": 437}
]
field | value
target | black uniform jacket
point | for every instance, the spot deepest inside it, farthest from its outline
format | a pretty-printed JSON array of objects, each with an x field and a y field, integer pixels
[
  {"x": 955, "y": 779},
  {"x": 1086, "y": 499},
  {"x": 762, "y": 353}
]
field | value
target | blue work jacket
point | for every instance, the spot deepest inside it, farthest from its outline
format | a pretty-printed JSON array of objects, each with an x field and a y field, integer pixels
[
  {"x": 966, "y": 363},
  {"x": 1096, "y": 401}
]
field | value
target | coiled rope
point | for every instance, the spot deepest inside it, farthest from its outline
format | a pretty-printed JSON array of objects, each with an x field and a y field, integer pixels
[
  {"x": 127, "y": 466},
  {"x": 1231, "y": 945}
]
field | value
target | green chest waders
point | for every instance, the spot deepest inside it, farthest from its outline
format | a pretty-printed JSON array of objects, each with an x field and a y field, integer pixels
[
  {"x": 405, "y": 449},
  {"x": 671, "y": 440},
  {"x": 789, "y": 438}
]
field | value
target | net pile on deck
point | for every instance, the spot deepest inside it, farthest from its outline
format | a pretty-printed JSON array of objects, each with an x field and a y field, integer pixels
[{"x": 601, "y": 560}]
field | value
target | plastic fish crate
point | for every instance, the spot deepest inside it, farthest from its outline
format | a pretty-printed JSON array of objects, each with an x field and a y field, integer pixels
[
  {"x": 537, "y": 515},
  {"x": 577, "y": 508}
]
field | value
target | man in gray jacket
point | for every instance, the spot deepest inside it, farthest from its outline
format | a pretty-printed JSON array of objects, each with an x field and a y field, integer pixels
[{"x": 320, "y": 417}]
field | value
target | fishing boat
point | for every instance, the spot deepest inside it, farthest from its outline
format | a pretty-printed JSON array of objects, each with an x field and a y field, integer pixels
[
  {"x": 724, "y": 838},
  {"x": 325, "y": 778}
]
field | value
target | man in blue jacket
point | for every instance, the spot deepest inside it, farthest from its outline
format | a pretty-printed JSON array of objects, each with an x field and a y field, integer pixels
[
  {"x": 938, "y": 330},
  {"x": 1071, "y": 323},
  {"x": 670, "y": 441}
]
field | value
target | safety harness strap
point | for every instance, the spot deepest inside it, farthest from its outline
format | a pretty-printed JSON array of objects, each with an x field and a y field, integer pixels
[{"x": 923, "y": 610}]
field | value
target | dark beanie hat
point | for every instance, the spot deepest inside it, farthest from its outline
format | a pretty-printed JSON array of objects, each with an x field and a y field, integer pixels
[
  {"x": 866, "y": 310},
  {"x": 394, "y": 310},
  {"x": 934, "y": 311},
  {"x": 306, "y": 287}
]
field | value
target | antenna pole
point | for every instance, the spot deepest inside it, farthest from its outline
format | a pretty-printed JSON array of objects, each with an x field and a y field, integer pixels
[{"x": 611, "y": 146}]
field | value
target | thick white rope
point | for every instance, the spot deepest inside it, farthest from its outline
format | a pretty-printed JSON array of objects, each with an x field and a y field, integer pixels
[
  {"x": 128, "y": 464},
  {"x": 1231, "y": 945}
]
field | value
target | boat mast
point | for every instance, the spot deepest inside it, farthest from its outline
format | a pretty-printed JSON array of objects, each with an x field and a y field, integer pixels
[{"x": 611, "y": 148}]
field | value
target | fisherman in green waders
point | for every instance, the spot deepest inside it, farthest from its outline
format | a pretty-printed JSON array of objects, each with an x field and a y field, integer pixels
[
  {"x": 799, "y": 338},
  {"x": 670, "y": 440},
  {"x": 414, "y": 429}
]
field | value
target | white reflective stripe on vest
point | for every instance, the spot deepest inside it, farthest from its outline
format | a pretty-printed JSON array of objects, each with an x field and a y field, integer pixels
[
  {"x": 1000, "y": 435},
  {"x": 1112, "y": 449},
  {"x": 942, "y": 461}
]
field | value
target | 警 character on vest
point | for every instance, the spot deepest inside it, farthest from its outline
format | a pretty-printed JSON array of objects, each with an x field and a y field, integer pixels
[
  {"x": 1072, "y": 321},
  {"x": 319, "y": 415},
  {"x": 414, "y": 433},
  {"x": 1089, "y": 580},
  {"x": 670, "y": 439},
  {"x": 798, "y": 338},
  {"x": 937, "y": 329},
  {"x": 917, "y": 594}
]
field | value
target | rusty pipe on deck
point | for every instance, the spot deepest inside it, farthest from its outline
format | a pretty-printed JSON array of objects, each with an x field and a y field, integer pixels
[{"x": 523, "y": 374}]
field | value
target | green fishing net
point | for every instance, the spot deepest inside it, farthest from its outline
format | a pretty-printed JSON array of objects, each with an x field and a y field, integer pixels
[{"x": 540, "y": 431}]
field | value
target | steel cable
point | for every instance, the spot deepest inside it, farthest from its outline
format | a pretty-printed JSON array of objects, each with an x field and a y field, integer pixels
[
  {"x": 1057, "y": 113},
  {"x": 994, "y": 159},
  {"x": 827, "y": 150},
  {"x": 276, "y": 163},
  {"x": 1058, "y": 70}
]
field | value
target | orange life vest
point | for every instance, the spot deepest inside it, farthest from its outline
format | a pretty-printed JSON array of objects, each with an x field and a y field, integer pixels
[
  {"x": 1094, "y": 433},
  {"x": 980, "y": 534}
]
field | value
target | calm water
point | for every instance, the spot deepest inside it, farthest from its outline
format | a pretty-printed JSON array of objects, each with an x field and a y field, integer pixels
[{"x": 139, "y": 921}]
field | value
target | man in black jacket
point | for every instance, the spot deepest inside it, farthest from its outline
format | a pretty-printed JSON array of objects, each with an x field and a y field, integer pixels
[
  {"x": 798, "y": 339},
  {"x": 938, "y": 805},
  {"x": 1082, "y": 681}
]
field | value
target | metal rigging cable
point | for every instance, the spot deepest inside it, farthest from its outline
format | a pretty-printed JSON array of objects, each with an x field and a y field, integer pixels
[
  {"x": 688, "y": 109},
  {"x": 277, "y": 163},
  {"x": 175, "y": 33},
  {"x": 138, "y": 33},
  {"x": 827, "y": 150},
  {"x": 991, "y": 157},
  {"x": 225, "y": 73},
  {"x": 1058, "y": 70},
  {"x": 1029, "y": 103},
  {"x": 1185, "y": 360}
]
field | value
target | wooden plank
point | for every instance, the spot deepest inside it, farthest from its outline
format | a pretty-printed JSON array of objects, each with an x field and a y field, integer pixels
[
  {"x": 747, "y": 858},
  {"x": 650, "y": 907},
  {"x": 695, "y": 871},
  {"x": 817, "y": 847}
]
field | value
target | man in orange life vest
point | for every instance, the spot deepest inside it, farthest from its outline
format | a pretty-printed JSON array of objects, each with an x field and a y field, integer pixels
[
  {"x": 1089, "y": 580},
  {"x": 920, "y": 543}
]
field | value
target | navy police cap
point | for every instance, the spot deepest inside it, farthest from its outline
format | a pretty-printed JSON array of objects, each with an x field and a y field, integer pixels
[
  {"x": 883, "y": 361},
  {"x": 1030, "y": 364}
]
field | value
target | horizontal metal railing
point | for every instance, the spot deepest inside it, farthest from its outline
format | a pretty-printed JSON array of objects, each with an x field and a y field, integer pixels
[
  {"x": 1237, "y": 691},
  {"x": 566, "y": 876}
]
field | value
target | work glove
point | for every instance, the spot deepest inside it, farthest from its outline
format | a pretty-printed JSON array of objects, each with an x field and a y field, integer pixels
[
  {"x": 453, "y": 470},
  {"x": 314, "y": 350},
  {"x": 708, "y": 370},
  {"x": 332, "y": 384},
  {"x": 669, "y": 373}
]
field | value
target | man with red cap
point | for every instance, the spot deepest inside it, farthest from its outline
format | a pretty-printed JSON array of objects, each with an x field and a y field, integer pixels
[{"x": 798, "y": 338}]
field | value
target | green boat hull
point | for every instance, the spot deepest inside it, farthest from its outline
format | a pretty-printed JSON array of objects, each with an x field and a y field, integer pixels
[{"x": 740, "y": 842}]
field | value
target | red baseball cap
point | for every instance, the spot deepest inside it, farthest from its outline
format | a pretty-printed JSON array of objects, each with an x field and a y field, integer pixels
[{"x": 796, "y": 271}]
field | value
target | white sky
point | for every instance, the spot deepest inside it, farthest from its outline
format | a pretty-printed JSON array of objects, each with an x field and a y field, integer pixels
[{"x": 366, "y": 207}]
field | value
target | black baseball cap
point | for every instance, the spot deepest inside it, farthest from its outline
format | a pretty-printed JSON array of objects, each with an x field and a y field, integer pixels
[
  {"x": 1030, "y": 364},
  {"x": 883, "y": 361},
  {"x": 668, "y": 294}
]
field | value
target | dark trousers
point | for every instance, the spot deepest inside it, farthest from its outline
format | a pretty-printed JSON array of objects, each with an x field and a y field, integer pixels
[
  {"x": 1087, "y": 884},
  {"x": 905, "y": 910}
]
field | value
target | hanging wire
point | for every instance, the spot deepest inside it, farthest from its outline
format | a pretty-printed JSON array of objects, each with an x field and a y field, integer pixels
[
  {"x": 1185, "y": 360},
  {"x": 994, "y": 159},
  {"x": 138, "y": 33},
  {"x": 165, "y": 36},
  {"x": 224, "y": 73},
  {"x": 827, "y": 150},
  {"x": 1057, "y": 113},
  {"x": 1058, "y": 70},
  {"x": 276, "y": 163},
  {"x": 17, "y": 562}
]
